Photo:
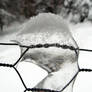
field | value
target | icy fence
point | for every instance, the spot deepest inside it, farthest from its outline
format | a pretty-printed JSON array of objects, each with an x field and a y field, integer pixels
[{"x": 41, "y": 46}]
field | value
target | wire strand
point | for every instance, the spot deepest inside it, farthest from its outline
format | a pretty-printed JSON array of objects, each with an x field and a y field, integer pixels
[
  {"x": 21, "y": 56},
  {"x": 20, "y": 78},
  {"x": 85, "y": 70}
]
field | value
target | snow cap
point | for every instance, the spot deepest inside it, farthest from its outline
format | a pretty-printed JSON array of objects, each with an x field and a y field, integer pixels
[{"x": 46, "y": 28}]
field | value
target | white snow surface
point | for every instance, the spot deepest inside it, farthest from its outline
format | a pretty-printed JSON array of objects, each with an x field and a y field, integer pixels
[
  {"x": 82, "y": 33},
  {"x": 9, "y": 54},
  {"x": 9, "y": 80}
]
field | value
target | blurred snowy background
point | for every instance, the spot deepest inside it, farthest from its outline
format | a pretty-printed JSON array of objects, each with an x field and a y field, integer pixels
[
  {"x": 13, "y": 13},
  {"x": 17, "y": 10}
]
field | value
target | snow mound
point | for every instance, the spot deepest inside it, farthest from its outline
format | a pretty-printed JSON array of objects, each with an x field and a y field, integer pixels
[{"x": 55, "y": 28}]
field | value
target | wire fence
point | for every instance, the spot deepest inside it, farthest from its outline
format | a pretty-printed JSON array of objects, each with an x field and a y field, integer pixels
[{"x": 42, "y": 46}]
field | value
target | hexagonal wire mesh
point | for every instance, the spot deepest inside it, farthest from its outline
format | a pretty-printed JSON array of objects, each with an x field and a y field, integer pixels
[{"x": 41, "y": 46}]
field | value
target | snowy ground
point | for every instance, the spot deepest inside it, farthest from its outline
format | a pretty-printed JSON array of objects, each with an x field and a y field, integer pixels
[
  {"x": 83, "y": 37},
  {"x": 32, "y": 74}
]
